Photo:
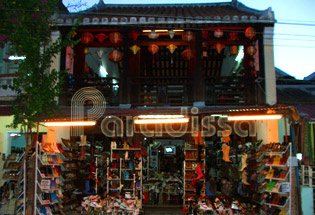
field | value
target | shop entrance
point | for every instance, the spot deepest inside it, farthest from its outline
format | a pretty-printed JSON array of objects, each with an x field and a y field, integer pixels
[{"x": 163, "y": 172}]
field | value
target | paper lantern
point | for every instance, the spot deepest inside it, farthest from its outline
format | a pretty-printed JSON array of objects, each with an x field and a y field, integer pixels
[
  {"x": 204, "y": 34},
  {"x": 134, "y": 34},
  {"x": 218, "y": 33},
  {"x": 251, "y": 50},
  {"x": 101, "y": 37},
  {"x": 153, "y": 49},
  {"x": 86, "y": 51},
  {"x": 250, "y": 32},
  {"x": 134, "y": 49},
  {"x": 115, "y": 55},
  {"x": 86, "y": 38},
  {"x": 233, "y": 50},
  {"x": 219, "y": 47},
  {"x": 234, "y": 36},
  {"x": 171, "y": 33},
  {"x": 172, "y": 48},
  {"x": 188, "y": 36},
  {"x": 187, "y": 54},
  {"x": 115, "y": 37},
  {"x": 100, "y": 53},
  {"x": 153, "y": 35}
]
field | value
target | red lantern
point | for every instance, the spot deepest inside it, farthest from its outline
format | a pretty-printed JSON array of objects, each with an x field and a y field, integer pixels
[
  {"x": 87, "y": 38},
  {"x": 233, "y": 50},
  {"x": 115, "y": 55},
  {"x": 250, "y": 32},
  {"x": 218, "y": 33},
  {"x": 204, "y": 34},
  {"x": 187, "y": 54},
  {"x": 101, "y": 37},
  {"x": 153, "y": 49},
  {"x": 188, "y": 36},
  {"x": 251, "y": 50},
  {"x": 115, "y": 37},
  {"x": 134, "y": 34},
  {"x": 219, "y": 47}
]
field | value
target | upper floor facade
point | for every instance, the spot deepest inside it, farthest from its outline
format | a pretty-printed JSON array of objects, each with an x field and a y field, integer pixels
[{"x": 215, "y": 54}]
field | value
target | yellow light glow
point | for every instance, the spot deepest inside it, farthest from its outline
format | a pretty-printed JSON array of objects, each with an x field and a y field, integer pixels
[
  {"x": 160, "y": 116},
  {"x": 161, "y": 121},
  {"x": 255, "y": 117},
  {"x": 161, "y": 30},
  {"x": 146, "y": 31},
  {"x": 69, "y": 123},
  {"x": 178, "y": 30}
]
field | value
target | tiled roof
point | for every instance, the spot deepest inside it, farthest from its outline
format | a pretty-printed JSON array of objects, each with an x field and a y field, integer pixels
[{"x": 203, "y": 13}]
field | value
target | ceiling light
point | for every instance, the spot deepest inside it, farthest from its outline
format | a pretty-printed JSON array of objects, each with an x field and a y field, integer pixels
[
  {"x": 255, "y": 117},
  {"x": 71, "y": 123}
]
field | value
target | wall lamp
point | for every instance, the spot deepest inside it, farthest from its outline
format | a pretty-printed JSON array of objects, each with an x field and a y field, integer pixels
[
  {"x": 255, "y": 117},
  {"x": 70, "y": 123}
]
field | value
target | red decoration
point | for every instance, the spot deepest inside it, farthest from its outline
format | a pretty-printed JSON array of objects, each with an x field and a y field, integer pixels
[
  {"x": 101, "y": 37},
  {"x": 153, "y": 49},
  {"x": 251, "y": 50},
  {"x": 250, "y": 32},
  {"x": 187, "y": 54},
  {"x": 233, "y": 50},
  {"x": 219, "y": 47},
  {"x": 134, "y": 34},
  {"x": 234, "y": 36},
  {"x": 115, "y": 55},
  {"x": 188, "y": 36},
  {"x": 218, "y": 33},
  {"x": 204, "y": 34},
  {"x": 87, "y": 38},
  {"x": 115, "y": 37}
]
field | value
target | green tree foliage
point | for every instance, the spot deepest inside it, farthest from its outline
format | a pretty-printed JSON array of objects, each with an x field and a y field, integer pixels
[{"x": 28, "y": 25}]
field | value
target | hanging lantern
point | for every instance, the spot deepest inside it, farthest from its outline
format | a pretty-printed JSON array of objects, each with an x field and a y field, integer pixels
[
  {"x": 234, "y": 36},
  {"x": 172, "y": 48},
  {"x": 100, "y": 53},
  {"x": 86, "y": 51},
  {"x": 134, "y": 34},
  {"x": 250, "y": 32},
  {"x": 251, "y": 50},
  {"x": 218, "y": 33},
  {"x": 187, "y": 54},
  {"x": 171, "y": 33},
  {"x": 204, "y": 34},
  {"x": 188, "y": 36},
  {"x": 233, "y": 50},
  {"x": 153, "y": 35},
  {"x": 115, "y": 55},
  {"x": 204, "y": 53},
  {"x": 219, "y": 47},
  {"x": 115, "y": 37},
  {"x": 101, "y": 37},
  {"x": 153, "y": 49},
  {"x": 134, "y": 49},
  {"x": 86, "y": 38}
]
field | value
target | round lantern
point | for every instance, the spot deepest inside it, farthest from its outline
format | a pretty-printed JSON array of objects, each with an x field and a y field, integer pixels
[
  {"x": 153, "y": 35},
  {"x": 187, "y": 54},
  {"x": 233, "y": 50},
  {"x": 250, "y": 32},
  {"x": 219, "y": 47},
  {"x": 86, "y": 51},
  {"x": 251, "y": 50},
  {"x": 134, "y": 34},
  {"x": 115, "y": 55},
  {"x": 86, "y": 38},
  {"x": 115, "y": 37},
  {"x": 153, "y": 49},
  {"x": 188, "y": 36},
  {"x": 218, "y": 33},
  {"x": 134, "y": 49},
  {"x": 101, "y": 37},
  {"x": 171, "y": 33}
]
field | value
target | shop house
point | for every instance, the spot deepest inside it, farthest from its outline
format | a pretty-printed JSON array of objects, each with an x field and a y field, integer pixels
[{"x": 139, "y": 68}]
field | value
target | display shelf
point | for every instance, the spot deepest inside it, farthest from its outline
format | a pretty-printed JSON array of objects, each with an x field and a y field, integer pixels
[
  {"x": 278, "y": 206},
  {"x": 124, "y": 149},
  {"x": 281, "y": 193},
  {"x": 279, "y": 179}
]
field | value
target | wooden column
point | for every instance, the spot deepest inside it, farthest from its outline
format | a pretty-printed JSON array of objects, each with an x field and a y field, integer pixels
[{"x": 199, "y": 82}]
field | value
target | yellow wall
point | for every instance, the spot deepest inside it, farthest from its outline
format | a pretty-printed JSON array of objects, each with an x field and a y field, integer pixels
[{"x": 7, "y": 120}]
